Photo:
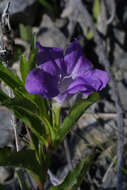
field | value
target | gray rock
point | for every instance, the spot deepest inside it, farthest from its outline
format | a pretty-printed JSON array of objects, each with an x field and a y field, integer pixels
[
  {"x": 49, "y": 35},
  {"x": 72, "y": 13},
  {"x": 21, "y": 11},
  {"x": 16, "y": 6},
  {"x": 120, "y": 55},
  {"x": 123, "y": 94},
  {"x": 6, "y": 175},
  {"x": 111, "y": 179},
  {"x": 6, "y": 131},
  {"x": 122, "y": 61},
  {"x": 119, "y": 67}
]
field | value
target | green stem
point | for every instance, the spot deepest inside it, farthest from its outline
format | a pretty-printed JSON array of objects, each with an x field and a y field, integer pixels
[
  {"x": 56, "y": 115},
  {"x": 45, "y": 166}
]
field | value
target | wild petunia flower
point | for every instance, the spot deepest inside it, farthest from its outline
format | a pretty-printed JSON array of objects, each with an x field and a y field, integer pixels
[{"x": 60, "y": 76}]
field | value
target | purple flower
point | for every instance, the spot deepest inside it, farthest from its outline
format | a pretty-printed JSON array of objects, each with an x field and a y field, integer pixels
[{"x": 60, "y": 76}]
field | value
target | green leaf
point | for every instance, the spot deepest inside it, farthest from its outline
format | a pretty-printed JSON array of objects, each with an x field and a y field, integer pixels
[
  {"x": 50, "y": 130},
  {"x": 27, "y": 66},
  {"x": 23, "y": 67},
  {"x": 25, "y": 32},
  {"x": 42, "y": 108},
  {"x": 31, "y": 120},
  {"x": 23, "y": 182},
  {"x": 96, "y": 9},
  {"x": 35, "y": 144},
  {"x": 89, "y": 35},
  {"x": 32, "y": 59},
  {"x": 33, "y": 42},
  {"x": 75, "y": 113},
  {"x": 18, "y": 51},
  {"x": 75, "y": 178},
  {"x": 45, "y": 4},
  {"x": 35, "y": 108},
  {"x": 44, "y": 115},
  {"x": 10, "y": 78},
  {"x": 42, "y": 105},
  {"x": 22, "y": 102},
  {"x": 25, "y": 159},
  {"x": 56, "y": 109},
  {"x": 3, "y": 96},
  {"x": 34, "y": 123}
]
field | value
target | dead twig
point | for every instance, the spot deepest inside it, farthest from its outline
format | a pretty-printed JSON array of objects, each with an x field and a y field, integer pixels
[
  {"x": 5, "y": 17},
  {"x": 112, "y": 12},
  {"x": 108, "y": 170},
  {"x": 101, "y": 115},
  {"x": 54, "y": 179},
  {"x": 103, "y": 58}
]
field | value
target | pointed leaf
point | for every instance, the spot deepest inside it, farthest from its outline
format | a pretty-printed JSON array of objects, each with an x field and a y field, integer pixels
[
  {"x": 77, "y": 110},
  {"x": 89, "y": 35},
  {"x": 23, "y": 67},
  {"x": 32, "y": 58},
  {"x": 10, "y": 78},
  {"x": 31, "y": 120},
  {"x": 24, "y": 159},
  {"x": 96, "y": 9},
  {"x": 42, "y": 108},
  {"x": 27, "y": 66},
  {"x": 46, "y": 4},
  {"x": 42, "y": 105},
  {"x": 3, "y": 96},
  {"x": 33, "y": 43},
  {"x": 25, "y": 32},
  {"x": 29, "y": 107},
  {"x": 22, "y": 102}
]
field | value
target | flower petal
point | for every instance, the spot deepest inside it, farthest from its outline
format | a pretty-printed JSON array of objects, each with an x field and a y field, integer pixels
[
  {"x": 91, "y": 81},
  {"x": 100, "y": 75},
  {"x": 41, "y": 83},
  {"x": 72, "y": 54},
  {"x": 50, "y": 68},
  {"x": 86, "y": 86},
  {"x": 82, "y": 66},
  {"x": 50, "y": 56}
]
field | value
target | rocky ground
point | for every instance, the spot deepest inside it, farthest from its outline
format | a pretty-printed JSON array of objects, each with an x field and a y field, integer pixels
[{"x": 56, "y": 25}]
